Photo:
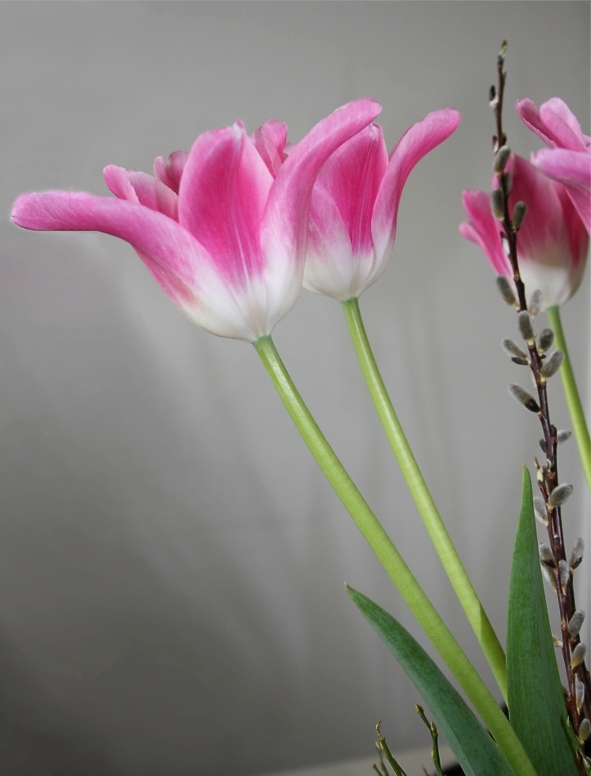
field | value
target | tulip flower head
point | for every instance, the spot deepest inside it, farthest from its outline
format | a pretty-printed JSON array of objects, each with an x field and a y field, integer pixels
[
  {"x": 355, "y": 205},
  {"x": 552, "y": 242},
  {"x": 568, "y": 156},
  {"x": 222, "y": 229}
]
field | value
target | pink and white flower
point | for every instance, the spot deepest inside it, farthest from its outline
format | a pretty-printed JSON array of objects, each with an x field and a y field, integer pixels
[
  {"x": 355, "y": 203},
  {"x": 568, "y": 156},
  {"x": 222, "y": 229},
  {"x": 552, "y": 242}
]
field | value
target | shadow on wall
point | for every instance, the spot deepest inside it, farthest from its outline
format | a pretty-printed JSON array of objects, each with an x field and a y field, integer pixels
[{"x": 27, "y": 746}]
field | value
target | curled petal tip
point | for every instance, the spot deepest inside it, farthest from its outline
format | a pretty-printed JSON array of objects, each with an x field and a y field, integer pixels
[{"x": 25, "y": 211}]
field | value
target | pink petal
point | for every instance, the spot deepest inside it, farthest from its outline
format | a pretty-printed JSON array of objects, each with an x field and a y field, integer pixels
[
  {"x": 330, "y": 267},
  {"x": 169, "y": 171},
  {"x": 572, "y": 168},
  {"x": 353, "y": 174},
  {"x": 269, "y": 140},
  {"x": 181, "y": 266},
  {"x": 563, "y": 125},
  {"x": 169, "y": 250},
  {"x": 551, "y": 230},
  {"x": 142, "y": 189},
  {"x": 340, "y": 257},
  {"x": 554, "y": 123},
  {"x": 285, "y": 223},
  {"x": 416, "y": 142},
  {"x": 484, "y": 229},
  {"x": 530, "y": 116},
  {"x": 223, "y": 193}
]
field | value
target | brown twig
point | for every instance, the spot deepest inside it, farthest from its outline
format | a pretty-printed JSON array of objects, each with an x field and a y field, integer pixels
[{"x": 578, "y": 699}]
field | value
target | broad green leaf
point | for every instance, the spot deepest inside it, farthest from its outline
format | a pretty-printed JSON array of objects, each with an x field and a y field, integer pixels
[
  {"x": 472, "y": 745},
  {"x": 536, "y": 702}
]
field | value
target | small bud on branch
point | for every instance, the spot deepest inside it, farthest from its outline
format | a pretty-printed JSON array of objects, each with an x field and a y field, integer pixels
[
  {"x": 565, "y": 572},
  {"x": 506, "y": 290},
  {"x": 535, "y": 303},
  {"x": 584, "y": 730},
  {"x": 578, "y": 655},
  {"x": 545, "y": 340},
  {"x": 501, "y": 159},
  {"x": 526, "y": 328},
  {"x": 577, "y": 553},
  {"x": 540, "y": 510},
  {"x": 559, "y": 495},
  {"x": 514, "y": 349},
  {"x": 579, "y": 693},
  {"x": 519, "y": 212},
  {"x": 498, "y": 204},
  {"x": 547, "y": 556},
  {"x": 553, "y": 364},
  {"x": 523, "y": 397},
  {"x": 575, "y": 623}
]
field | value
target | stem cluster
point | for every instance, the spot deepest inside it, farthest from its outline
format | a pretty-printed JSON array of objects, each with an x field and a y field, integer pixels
[{"x": 554, "y": 558}]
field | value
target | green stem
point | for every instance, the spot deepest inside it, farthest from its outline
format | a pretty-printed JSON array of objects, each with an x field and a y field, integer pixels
[
  {"x": 428, "y": 511},
  {"x": 573, "y": 400},
  {"x": 395, "y": 566}
]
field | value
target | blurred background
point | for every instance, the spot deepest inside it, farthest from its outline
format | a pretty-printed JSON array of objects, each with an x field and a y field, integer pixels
[{"x": 171, "y": 561}]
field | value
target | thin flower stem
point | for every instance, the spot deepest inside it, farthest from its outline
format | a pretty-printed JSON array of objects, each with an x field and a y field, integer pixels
[
  {"x": 393, "y": 563},
  {"x": 573, "y": 399},
  {"x": 426, "y": 506}
]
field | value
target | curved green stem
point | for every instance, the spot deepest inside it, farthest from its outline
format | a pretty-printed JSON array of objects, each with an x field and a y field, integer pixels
[
  {"x": 393, "y": 563},
  {"x": 573, "y": 400},
  {"x": 428, "y": 511}
]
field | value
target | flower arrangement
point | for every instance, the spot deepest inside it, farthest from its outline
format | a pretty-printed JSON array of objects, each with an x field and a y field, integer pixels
[{"x": 235, "y": 228}]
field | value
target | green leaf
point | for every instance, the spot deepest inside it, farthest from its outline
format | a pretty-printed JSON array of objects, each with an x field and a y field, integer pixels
[
  {"x": 472, "y": 745},
  {"x": 536, "y": 701}
]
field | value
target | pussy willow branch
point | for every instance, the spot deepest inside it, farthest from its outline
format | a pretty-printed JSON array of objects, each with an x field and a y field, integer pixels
[{"x": 547, "y": 473}]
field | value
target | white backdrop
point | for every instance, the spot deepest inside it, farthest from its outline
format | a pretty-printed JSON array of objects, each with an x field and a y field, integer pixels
[{"x": 171, "y": 562}]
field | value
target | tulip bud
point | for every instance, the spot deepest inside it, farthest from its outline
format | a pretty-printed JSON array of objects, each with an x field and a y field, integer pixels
[{"x": 523, "y": 397}]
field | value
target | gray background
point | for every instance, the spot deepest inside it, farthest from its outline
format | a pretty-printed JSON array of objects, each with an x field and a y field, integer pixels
[{"x": 171, "y": 562}]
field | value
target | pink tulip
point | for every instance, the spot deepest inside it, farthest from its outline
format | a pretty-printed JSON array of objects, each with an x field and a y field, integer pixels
[
  {"x": 552, "y": 242},
  {"x": 568, "y": 158},
  {"x": 355, "y": 205},
  {"x": 223, "y": 229}
]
